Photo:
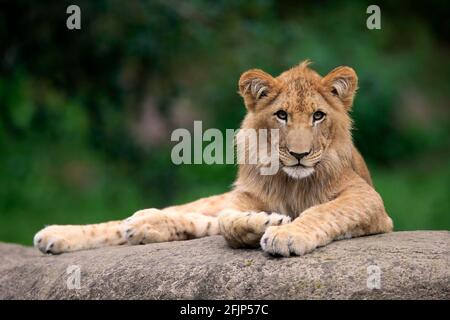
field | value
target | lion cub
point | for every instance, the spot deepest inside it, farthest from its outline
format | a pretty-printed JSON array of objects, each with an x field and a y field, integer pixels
[{"x": 322, "y": 191}]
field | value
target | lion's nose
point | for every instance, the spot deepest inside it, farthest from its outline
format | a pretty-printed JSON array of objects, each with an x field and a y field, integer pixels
[{"x": 299, "y": 156}]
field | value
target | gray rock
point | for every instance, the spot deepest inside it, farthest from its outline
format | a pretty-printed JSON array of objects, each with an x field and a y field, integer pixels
[{"x": 412, "y": 265}]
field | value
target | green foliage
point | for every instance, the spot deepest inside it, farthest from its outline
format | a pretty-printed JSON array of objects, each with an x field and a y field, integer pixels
[
  {"x": 416, "y": 196},
  {"x": 71, "y": 101}
]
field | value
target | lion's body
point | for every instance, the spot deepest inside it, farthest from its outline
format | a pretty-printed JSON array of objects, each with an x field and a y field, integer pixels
[{"x": 323, "y": 187}]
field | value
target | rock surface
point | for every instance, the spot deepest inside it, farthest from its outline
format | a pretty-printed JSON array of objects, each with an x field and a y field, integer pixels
[{"x": 411, "y": 265}]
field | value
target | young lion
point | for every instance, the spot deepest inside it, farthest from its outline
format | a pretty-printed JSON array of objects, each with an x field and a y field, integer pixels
[{"x": 322, "y": 192}]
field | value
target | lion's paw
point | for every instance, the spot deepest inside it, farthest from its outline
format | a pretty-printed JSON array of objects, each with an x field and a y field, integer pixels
[
  {"x": 287, "y": 240},
  {"x": 51, "y": 240},
  {"x": 244, "y": 229},
  {"x": 147, "y": 226}
]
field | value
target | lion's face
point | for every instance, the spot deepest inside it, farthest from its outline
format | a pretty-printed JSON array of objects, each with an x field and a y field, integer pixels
[{"x": 310, "y": 112}]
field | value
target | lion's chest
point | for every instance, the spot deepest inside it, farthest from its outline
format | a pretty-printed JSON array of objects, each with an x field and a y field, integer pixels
[{"x": 295, "y": 201}]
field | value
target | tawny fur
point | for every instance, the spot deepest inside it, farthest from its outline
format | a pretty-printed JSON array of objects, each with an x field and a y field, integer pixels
[{"x": 329, "y": 197}]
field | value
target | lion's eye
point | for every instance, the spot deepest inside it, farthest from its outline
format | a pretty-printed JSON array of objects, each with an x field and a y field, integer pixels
[
  {"x": 282, "y": 115},
  {"x": 318, "y": 115}
]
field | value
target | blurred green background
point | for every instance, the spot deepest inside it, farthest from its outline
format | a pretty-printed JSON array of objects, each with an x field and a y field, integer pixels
[{"x": 86, "y": 116}]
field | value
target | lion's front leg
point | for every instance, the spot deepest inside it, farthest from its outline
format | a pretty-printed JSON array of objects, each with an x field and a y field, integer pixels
[
  {"x": 153, "y": 225},
  {"x": 57, "y": 239},
  {"x": 245, "y": 229},
  {"x": 357, "y": 211},
  {"x": 193, "y": 220}
]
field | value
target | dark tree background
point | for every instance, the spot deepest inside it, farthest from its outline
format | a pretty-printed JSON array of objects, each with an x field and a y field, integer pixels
[{"x": 86, "y": 115}]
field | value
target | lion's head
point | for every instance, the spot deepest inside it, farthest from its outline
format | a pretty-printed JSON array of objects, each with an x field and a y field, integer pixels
[{"x": 310, "y": 111}]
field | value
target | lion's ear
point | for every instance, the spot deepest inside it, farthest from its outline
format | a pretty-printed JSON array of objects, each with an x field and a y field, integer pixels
[
  {"x": 256, "y": 85},
  {"x": 342, "y": 82}
]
